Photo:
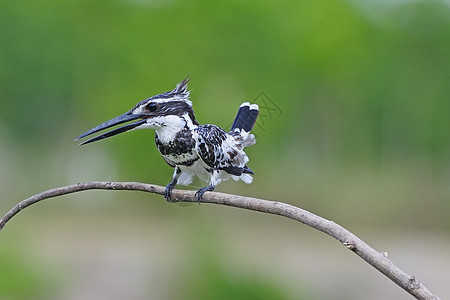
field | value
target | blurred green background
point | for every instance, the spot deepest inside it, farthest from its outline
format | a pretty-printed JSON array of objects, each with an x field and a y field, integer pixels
[{"x": 354, "y": 127}]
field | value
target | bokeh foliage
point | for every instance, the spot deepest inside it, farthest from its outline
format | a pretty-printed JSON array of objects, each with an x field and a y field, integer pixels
[{"x": 379, "y": 79}]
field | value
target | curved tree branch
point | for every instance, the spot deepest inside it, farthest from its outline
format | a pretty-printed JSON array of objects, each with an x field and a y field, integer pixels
[{"x": 376, "y": 259}]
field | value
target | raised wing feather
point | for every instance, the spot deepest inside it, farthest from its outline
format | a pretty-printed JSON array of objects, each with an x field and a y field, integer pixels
[{"x": 218, "y": 150}]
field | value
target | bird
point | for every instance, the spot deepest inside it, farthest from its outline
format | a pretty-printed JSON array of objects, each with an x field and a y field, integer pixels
[{"x": 206, "y": 151}]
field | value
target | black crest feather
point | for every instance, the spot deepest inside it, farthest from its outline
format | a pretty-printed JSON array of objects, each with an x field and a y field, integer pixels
[{"x": 180, "y": 90}]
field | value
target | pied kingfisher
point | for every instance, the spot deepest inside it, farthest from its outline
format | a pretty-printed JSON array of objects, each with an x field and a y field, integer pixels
[{"x": 206, "y": 151}]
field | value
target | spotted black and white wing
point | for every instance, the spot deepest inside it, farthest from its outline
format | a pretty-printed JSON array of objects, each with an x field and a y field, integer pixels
[{"x": 220, "y": 151}]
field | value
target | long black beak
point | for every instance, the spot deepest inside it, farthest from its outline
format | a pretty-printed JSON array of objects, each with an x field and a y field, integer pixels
[{"x": 116, "y": 121}]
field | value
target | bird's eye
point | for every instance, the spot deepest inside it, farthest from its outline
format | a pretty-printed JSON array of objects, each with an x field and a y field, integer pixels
[{"x": 151, "y": 107}]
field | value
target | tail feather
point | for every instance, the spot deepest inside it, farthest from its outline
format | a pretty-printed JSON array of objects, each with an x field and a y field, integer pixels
[{"x": 245, "y": 117}]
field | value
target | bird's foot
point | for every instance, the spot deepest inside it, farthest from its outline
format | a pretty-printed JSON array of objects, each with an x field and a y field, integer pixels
[
  {"x": 201, "y": 191},
  {"x": 168, "y": 191}
]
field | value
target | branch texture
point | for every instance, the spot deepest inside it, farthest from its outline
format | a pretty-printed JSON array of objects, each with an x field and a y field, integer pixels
[{"x": 376, "y": 259}]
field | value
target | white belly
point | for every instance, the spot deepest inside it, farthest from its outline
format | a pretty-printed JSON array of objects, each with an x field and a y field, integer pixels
[{"x": 198, "y": 168}]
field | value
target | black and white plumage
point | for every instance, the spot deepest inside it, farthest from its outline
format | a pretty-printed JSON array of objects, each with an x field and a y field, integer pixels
[{"x": 206, "y": 151}]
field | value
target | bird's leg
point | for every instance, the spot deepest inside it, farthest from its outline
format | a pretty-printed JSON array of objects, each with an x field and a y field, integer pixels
[
  {"x": 201, "y": 191},
  {"x": 171, "y": 185},
  {"x": 215, "y": 180}
]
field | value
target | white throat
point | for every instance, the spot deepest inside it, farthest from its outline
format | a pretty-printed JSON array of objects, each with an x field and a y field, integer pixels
[{"x": 168, "y": 126}]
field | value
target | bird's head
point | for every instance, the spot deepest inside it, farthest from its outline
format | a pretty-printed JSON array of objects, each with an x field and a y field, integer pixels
[{"x": 172, "y": 108}]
